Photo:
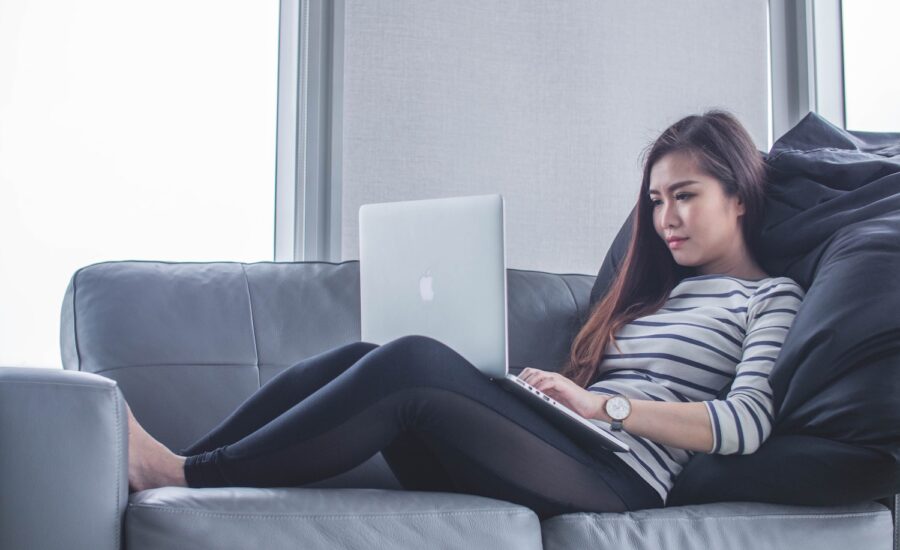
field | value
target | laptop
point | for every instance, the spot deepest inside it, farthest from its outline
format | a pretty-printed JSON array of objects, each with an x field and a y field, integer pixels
[{"x": 437, "y": 268}]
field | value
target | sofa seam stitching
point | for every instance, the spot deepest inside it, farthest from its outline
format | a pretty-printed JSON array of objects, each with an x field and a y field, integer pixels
[
  {"x": 51, "y": 383},
  {"x": 118, "y": 522},
  {"x": 327, "y": 516},
  {"x": 272, "y": 262},
  {"x": 574, "y": 301},
  {"x": 894, "y": 522},
  {"x": 178, "y": 365},
  {"x": 75, "y": 317},
  {"x": 199, "y": 262},
  {"x": 717, "y": 518},
  {"x": 252, "y": 326}
]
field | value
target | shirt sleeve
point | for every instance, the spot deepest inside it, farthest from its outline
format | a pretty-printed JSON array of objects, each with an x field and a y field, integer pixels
[{"x": 743, "y": 420}]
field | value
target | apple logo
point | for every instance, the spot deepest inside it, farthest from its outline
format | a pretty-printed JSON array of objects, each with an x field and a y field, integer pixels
[{"x": 425, "y": 289}]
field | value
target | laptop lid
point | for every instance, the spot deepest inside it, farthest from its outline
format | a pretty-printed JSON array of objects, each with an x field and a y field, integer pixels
[{"x": 437, "y": 268}]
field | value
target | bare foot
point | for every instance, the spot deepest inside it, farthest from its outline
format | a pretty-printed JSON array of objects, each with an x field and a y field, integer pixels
[{"x": 150, "y": 463}]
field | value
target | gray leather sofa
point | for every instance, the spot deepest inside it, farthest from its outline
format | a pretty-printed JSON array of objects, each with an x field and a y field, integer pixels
[{"x": 184, "y": 343}]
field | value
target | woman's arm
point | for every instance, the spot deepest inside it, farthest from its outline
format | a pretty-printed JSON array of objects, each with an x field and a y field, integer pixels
[{"x": 681, "y": 425}]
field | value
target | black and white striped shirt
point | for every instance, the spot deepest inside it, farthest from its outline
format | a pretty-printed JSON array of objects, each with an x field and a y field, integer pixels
[{"x": 714, "y": 331}]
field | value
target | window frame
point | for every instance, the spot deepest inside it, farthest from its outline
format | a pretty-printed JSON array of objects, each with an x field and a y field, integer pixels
[
  {"x": 309, "y": 131},
  {"x": 807, "y": 62}
]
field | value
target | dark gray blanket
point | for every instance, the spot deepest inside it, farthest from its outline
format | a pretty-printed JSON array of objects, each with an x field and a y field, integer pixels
[{"x": 833, "y": 225}]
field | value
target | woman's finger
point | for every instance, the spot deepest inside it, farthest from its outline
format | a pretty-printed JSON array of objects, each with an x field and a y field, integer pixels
[
  {"x": 550, "y": 386},
  {"x": 532, "y": 375},
  {"x": 546, "y": 383}
]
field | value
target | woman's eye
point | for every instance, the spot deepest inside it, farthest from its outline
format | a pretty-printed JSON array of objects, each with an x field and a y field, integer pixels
[{"x": 655, "y": 202}]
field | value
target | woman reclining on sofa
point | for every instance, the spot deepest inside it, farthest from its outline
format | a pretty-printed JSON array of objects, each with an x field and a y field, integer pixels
[{"x": 690, "y": 314}]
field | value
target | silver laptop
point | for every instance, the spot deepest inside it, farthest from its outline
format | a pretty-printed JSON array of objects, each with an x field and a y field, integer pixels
[{"x": 437, "y": 268}]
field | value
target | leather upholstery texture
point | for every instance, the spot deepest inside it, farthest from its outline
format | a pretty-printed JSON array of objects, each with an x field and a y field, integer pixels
[
  {"x": 290, "y": 518},
  {"x": 725, "y": 525},
  {"x": 63, "y": 460}
]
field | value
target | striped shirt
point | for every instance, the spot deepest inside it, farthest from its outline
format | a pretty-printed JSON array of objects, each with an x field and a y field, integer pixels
[{"x": 714, "y": 331}]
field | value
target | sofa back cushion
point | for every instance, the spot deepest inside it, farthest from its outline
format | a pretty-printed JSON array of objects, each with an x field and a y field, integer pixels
[{"x": 188, "y": 342}]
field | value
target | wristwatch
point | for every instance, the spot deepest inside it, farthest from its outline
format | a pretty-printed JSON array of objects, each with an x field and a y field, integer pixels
[{"x": 618, "y": 407}]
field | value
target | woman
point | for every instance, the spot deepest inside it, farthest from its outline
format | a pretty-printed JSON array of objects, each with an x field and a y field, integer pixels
[{"x": 690, "y": 316}]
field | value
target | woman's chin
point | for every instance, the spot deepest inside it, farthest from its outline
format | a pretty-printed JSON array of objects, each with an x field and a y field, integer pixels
[{"x": 683, "y": 260}]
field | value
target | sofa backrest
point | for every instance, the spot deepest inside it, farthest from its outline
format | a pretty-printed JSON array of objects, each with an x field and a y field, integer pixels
[{"x": 188, "y": 342}]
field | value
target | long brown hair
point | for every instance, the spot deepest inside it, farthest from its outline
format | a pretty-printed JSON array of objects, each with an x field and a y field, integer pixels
[{"x": 722, "y": 149}]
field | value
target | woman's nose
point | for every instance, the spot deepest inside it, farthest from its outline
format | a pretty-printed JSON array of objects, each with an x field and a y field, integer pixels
[{"x": 668, "y": 216}]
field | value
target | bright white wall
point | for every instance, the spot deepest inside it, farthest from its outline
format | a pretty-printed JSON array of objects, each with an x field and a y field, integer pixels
[{"x": 128, "y": 130}]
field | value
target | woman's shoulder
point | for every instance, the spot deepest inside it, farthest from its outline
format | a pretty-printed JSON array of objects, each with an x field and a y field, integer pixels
[
  {"x": 771, "y": 284},
  {"x": 781, "y": 295}
]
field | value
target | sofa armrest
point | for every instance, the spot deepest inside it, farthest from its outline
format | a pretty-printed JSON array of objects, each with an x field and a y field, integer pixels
[{"x": 63, "y": 460}]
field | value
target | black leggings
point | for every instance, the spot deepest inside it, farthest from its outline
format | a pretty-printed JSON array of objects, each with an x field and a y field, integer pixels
[{"x": 440, "y": 423}]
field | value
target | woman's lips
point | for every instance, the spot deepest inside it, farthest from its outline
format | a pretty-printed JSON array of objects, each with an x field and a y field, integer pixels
[{"x": 676, "y": 243}]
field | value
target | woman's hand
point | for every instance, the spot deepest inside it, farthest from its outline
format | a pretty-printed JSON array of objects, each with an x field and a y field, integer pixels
[{"x": 568, "y": 393}]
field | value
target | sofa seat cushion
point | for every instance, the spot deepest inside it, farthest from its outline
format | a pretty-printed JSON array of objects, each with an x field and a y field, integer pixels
[
  {"x": 243, "y": 517},
  {"x": 726, "y": 525}
]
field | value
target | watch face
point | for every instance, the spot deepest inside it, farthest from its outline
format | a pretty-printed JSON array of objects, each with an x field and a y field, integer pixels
[{"x": 618, "y": 408}]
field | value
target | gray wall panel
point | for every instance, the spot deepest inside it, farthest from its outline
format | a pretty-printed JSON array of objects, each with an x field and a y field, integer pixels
[{"x": 548, "y": 103}]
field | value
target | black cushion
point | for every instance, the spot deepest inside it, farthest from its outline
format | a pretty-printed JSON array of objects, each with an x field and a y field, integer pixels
[
  {"x": 788, "y": 469},
  {"x": 832, "y": 224}
]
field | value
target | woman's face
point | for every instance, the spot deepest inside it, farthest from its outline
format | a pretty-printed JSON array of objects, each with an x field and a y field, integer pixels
[{"x": 701, "y": 212}]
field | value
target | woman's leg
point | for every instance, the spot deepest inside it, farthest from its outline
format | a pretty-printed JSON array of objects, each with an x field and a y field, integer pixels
[
  {"x": 487, "y": 440},
  {"x": 279, "y": 394}
]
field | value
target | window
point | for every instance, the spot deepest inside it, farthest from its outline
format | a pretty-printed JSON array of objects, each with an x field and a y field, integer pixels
[
  {"x": 871, "y": 80},
  {"x": 128, "y": 131}
]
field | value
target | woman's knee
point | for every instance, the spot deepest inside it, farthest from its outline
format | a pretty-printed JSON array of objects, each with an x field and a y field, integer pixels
[
  {"x": 362, "y": 348},
  {"x": 340, "y": 357},
  {"x": 418, "y": 353},
  {"x": 415, "y": 345}
]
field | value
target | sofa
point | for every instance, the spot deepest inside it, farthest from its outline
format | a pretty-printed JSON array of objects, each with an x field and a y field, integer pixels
[{"x": 184, "y": 343}]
